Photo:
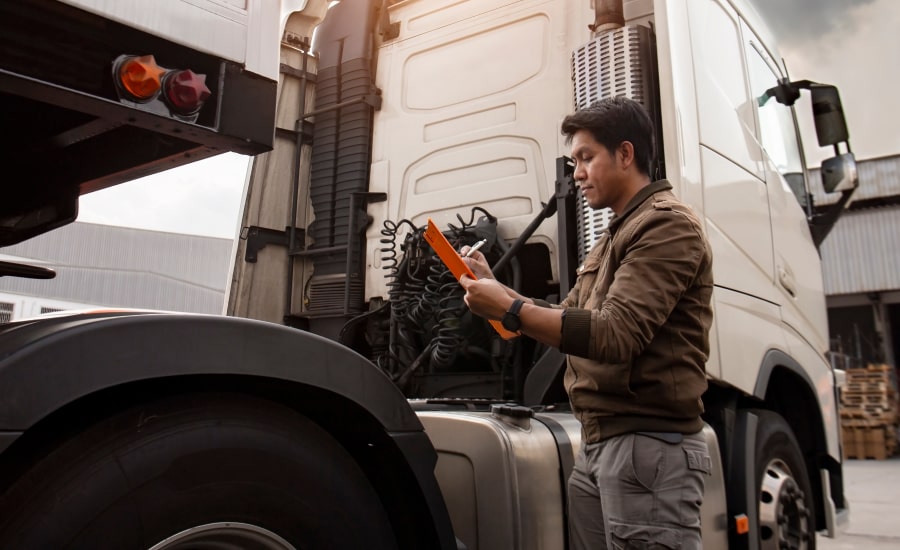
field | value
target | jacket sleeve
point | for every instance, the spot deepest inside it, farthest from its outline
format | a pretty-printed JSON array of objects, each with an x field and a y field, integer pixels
[
  {"x": 572, "y": 297},
  {"x": 661, "y": 260}
]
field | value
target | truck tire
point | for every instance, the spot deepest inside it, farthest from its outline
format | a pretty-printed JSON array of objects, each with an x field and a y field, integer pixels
[
  {"x": 211, "y": 470},
  {"x": 786, "y": 519}
]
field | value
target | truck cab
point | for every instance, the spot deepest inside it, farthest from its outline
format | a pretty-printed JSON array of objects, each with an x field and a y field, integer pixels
[
  {"x": 348, "y": 384},
  {"x": 462, "y": 103}
]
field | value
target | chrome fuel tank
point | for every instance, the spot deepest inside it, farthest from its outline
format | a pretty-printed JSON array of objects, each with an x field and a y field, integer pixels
[{"x": 503, "y": 474}]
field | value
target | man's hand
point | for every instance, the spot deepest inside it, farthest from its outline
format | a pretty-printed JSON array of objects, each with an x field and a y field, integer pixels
[
  {"x": 486, "y": 297},
  {"x": 477, "y": 263},
  {"x": 490, "y": 299}
]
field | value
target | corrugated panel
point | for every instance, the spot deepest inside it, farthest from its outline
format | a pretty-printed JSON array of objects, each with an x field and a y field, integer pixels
[
  {"x": 126, "y": 267},
  {"x": 115, "y": 288},
  {"x": 862, "y": 252},
  {"x": 195, "y": 259},
  {"x": 877, "y": 178}
]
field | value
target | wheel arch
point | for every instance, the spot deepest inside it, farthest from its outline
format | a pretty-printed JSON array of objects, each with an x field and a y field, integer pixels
[
  {"x": 783, "y": 387},
  {"x": 786, "y": 388},
  {"x": 74, "y": 372},
  {"x": 44, "y": 365}
]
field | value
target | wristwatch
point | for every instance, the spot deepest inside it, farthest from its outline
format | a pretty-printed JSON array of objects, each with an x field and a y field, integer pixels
[{"x": 510, "y": 319}]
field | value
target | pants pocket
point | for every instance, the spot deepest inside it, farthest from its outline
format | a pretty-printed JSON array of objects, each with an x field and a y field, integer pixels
[
  {"x": 625, "y": 536},
  {"x": 648, "y": 459}
]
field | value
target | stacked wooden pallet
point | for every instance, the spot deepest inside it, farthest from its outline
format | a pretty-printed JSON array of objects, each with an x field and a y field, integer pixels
[{"x": 869, "y": 416}]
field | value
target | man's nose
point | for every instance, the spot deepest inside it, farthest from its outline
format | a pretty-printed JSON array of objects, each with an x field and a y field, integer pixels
[{"x": 579, "y": 173}]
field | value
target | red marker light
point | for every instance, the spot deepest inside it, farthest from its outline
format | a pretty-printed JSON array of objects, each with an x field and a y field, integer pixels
[
  {"x": 140, "y": 77},
  {"x": 186, "y": 91}
]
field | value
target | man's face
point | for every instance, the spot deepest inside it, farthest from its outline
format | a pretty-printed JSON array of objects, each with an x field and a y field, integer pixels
[{"x": 597, "y": 172}]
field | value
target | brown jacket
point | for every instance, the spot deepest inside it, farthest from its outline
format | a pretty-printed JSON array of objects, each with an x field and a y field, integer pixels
[{"x": 636, "y": 327}]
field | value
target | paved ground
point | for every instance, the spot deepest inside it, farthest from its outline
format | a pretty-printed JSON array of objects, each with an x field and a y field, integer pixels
[{"x": 873, "y": 489}]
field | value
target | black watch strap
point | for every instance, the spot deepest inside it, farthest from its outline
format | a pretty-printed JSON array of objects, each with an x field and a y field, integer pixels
[{"x": 511, "y": 320}]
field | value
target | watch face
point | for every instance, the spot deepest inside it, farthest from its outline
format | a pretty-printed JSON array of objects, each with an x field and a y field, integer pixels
[{"x": 511, "y": 322}]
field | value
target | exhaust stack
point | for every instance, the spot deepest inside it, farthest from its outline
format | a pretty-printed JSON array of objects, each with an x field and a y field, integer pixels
[{"x": 608, "y": 15}]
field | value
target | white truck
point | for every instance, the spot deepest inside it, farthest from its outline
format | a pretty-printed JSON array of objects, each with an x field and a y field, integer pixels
[{"x": 365, "y": 407}]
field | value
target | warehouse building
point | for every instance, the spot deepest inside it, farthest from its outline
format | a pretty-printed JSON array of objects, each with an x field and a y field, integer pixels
[
  {"x": 108, "y": 266},
  {"x": 861, "y": 266}
]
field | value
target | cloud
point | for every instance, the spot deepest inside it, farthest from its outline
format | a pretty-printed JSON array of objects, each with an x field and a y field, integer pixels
[
  {"x": 800, "y": 21},
  {"x": 855, "y": 62},
  {"x": 202, "y": 198}
]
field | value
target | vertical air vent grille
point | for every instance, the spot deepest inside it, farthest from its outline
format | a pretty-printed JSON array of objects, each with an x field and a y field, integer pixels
[{"x": 615, "y": 63}]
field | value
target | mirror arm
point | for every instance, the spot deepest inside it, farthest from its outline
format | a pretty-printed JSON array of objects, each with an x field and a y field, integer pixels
[
  {"x": 821, "y": 224},
  {"x": 787, "y": 92},
  {"x": 837, "y": 148}
]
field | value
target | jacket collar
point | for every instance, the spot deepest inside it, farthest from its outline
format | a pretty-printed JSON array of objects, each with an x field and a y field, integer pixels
[{"x": 637, "y": 199}]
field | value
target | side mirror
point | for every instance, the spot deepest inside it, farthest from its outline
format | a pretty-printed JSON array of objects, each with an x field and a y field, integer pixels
[
  {"x": 828, "y": 114},
  {"x": 839, "y": 173}
]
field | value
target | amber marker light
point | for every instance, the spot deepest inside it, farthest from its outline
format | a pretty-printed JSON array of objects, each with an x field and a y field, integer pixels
[
  {"x": 140, "y": 77},
  {"x": 185, "y": 91}
]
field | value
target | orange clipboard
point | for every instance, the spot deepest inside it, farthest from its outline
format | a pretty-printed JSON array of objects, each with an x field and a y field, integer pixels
[{"x": 457, "y": 266}]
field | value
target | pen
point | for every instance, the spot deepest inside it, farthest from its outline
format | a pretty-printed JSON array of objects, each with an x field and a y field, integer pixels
[{"x": 475, "y": 247}]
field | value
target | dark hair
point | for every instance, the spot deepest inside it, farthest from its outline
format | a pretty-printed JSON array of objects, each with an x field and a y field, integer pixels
[{"x": 612, "y": 121}]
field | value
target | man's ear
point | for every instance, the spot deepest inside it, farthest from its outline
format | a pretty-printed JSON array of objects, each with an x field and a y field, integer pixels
[{"x": 625, "y": 154}]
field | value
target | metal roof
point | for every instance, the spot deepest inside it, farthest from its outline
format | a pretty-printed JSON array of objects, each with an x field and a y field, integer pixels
[
  {"x": 126, "y": 267},
  {"x": 862, "y": 252}
]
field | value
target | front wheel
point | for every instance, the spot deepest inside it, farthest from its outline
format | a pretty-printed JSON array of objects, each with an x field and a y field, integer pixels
[
  {"x": 786, "y": 517},
  {"x": 201, "y": 471}
]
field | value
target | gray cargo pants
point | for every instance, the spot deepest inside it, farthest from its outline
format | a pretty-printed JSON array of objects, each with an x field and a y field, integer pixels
[{"x": 638, "y": 491}]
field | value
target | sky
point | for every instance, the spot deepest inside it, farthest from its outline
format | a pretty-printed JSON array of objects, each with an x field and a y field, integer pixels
[
  {"x": 852, "y": 44},
  {"x": 201, "y": 198}
]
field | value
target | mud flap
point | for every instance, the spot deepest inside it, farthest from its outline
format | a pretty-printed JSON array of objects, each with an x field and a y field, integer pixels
[{"x": 741, "y": 481}]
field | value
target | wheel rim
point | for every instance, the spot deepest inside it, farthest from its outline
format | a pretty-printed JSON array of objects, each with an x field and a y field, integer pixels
[
  {"x": 225, "y": 535},
  {"x": 783, "y": 511}
]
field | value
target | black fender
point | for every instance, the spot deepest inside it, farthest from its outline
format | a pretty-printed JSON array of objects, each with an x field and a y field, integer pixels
[
  {"x": 48, "y": 363},
  {"x": 787, "y": 389},
  {"x": 772, "y": 359}
]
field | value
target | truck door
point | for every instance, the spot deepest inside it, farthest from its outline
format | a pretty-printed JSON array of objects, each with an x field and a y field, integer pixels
[
  {"x": 735, "y": 199},
  {"x": 798, "y": 273}
]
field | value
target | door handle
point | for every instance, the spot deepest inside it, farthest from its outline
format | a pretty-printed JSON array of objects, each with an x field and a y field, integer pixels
[{"x": 786, "y": 278}]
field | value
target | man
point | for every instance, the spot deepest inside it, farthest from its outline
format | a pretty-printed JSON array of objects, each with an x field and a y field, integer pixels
[{"x": 635, "y": 329}]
